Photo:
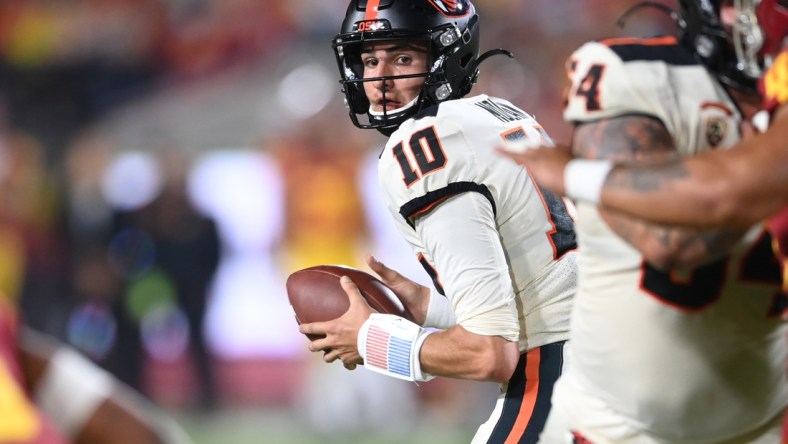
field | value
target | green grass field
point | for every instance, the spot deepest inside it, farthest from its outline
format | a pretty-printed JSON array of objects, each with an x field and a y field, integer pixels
[{"x": 279, "y": 427}]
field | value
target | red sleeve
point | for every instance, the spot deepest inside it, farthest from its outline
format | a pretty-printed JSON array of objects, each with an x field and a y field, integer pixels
[
  {"x": 778, "y": 227},
  {"x": 9, "y": 324},
  {"x": 774, "y": 87}
]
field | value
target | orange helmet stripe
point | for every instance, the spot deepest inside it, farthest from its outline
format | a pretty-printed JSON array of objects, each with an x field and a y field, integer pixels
[{"x": 372, "y": 10}]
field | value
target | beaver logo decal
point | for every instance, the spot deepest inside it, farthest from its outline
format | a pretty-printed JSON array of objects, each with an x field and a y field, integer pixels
[{"x": 452, "y": 8}]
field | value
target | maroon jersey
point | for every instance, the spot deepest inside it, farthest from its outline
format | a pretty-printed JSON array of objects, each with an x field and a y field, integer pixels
[{"x": 774, "y": 86}]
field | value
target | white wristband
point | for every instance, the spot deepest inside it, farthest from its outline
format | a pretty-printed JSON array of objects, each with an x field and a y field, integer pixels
[
  {"x": 390, "y": 345},
  {"x": 440, "y": 313},
  {"x": 584, "y": 178}
]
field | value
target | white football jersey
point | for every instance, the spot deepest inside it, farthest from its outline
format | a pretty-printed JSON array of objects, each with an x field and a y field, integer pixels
[
  {"x": 683, "y": 356},
  {"x": 499, "y": 248}
]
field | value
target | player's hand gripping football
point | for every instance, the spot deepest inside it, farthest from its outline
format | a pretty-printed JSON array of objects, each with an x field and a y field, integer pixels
[
  {"x": 414, "y": 296},
  {"x": 341, "y": 334},
  {"x": 545, "y": 164}
]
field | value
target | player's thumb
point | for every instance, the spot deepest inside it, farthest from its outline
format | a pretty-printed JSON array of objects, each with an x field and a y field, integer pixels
[{"x": 354, "y": 294}]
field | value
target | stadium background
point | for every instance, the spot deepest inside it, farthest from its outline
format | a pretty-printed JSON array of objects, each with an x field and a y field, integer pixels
[{"x": 233, "y": 106}]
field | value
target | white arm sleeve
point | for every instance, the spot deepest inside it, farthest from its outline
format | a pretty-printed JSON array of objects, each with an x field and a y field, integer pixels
[
  {"x": 462, "y": 239},
  {"x": 440, "y": 313},
  {"x": 71, "y": 390}
]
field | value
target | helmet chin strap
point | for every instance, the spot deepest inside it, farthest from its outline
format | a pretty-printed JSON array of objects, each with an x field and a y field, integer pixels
[{"x": 374, "y": 113}]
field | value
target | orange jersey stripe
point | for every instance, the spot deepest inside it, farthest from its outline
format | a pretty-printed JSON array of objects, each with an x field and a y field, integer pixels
[
  {"x": 656, "y": 41},
  {"x": 533, "y": 359}
]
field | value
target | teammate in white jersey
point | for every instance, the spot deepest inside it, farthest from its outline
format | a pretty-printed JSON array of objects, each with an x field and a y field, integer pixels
[
  {"x": 500, "y": 251},
  {"x": 676, "y": 333},
  {"x": 716, "y": 188}
]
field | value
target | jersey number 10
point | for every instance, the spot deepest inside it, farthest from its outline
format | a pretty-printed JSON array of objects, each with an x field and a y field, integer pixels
[{"x": 426, "y": 149}]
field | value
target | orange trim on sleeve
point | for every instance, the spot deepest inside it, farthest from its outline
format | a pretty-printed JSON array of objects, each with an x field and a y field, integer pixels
[{"x": 429, "y": 207}]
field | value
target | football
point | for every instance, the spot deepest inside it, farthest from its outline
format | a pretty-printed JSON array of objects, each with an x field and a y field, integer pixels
[{"x": 316, "y": 294}]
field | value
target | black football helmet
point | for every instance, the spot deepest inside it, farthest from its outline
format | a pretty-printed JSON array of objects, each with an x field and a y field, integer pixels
[
  {"x": 450, "y": 30},
  {"x": 731, "y": 52}
]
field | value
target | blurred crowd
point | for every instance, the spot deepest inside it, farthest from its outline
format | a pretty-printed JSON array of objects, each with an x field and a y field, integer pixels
[{"x": 165, "y": 164}]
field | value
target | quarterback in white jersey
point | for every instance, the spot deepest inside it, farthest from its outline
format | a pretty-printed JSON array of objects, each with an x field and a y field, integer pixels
[
  {"x": 676, "y": 334},
  {"x": 492, "y": 241},
  {"x": 500, "y": 251},
  {"x": 497, "y": 224}
]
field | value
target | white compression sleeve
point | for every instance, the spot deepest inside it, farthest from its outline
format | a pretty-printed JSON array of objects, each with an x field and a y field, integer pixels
[
  {"x": 584, "y": 179},
  {"x": 71, "y": 390},
  {"x": 440, "y": 313}
]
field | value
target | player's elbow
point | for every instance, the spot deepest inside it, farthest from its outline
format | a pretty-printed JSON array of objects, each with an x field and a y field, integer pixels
[{"x": 497, "y": 360}]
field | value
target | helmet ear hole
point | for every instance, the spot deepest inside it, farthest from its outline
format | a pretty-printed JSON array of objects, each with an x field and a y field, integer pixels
[
  {"x": 467, "y": 59},
  {"x": 357, "y": 99}
]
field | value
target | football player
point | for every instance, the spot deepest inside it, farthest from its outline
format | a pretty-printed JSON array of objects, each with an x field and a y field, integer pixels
[
  {"x": 500, "y": 251},
  {"x": 726, "y": 187},
  {"x": 676, "y": 333},
  {"x": 53, "y": 395}
]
